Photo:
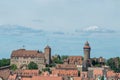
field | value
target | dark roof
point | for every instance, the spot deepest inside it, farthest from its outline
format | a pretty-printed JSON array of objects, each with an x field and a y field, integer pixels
[
  {"x": 47, "y": 47},
  {"x": 87, "y": 45}
]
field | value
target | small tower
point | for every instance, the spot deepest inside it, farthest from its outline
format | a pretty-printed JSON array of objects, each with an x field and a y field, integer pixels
[
  {"x": 87, "y": 50},
  {"x": 47, "y": 52}
]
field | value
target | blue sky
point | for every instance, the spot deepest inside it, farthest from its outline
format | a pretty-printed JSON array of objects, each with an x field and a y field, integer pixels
[{"x": 65, "y": 25}]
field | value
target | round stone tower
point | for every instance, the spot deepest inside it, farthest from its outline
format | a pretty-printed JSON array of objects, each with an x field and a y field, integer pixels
[
  {"x": 47, "y": 52},
  {"x": 87, "y": 49}
]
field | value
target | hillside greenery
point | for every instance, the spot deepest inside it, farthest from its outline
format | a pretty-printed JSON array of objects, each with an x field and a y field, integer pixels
[
  {"x": 4, "y": 62},
  {"x": 114, "y": 63}
]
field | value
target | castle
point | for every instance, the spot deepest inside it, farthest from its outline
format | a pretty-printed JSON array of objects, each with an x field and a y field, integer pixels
[
  {"x": 72, "y": 68},
  {"x": 21, "y": 57}
]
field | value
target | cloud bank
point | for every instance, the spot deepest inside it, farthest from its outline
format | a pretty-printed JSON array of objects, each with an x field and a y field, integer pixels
[
  {"x": 17, "y": 30},
  {"x": 95, "y": 29}
]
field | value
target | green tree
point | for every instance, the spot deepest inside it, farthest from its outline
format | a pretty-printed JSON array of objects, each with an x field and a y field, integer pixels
[
  {"x": 51, "y": 65},
  {"x": 57, "y": 60},
  {"x": 4, "y": 62},
  {"x": 114, "y": 64},
  {"x": 32, "y": 65},
  {"x": 64, "y": 57},
  {"x": 102, "y": 78},
  {"x": 46, "y": 69},
  {"x": 13, "y": 67}
]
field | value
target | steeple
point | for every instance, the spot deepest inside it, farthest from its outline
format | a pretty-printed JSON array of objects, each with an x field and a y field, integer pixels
[
  {"x": 87, "y": 43},
  {"x": 47, "y": 47},
  {"x": 87, "y": 46}
]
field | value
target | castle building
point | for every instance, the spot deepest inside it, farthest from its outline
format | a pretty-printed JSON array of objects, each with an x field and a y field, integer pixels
[{"x": 22, "y": 57}]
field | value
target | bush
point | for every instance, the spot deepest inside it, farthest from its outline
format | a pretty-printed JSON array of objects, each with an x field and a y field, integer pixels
[
  {"x": 13, "y": 67},
  {"x": 46, "y": 69},
  {"x": 32, "y": 65}
]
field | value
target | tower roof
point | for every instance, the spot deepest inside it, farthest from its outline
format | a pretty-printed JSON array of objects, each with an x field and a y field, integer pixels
[
  {"x": 47, "y": 47},
  {"x": 87, "y": 45}
]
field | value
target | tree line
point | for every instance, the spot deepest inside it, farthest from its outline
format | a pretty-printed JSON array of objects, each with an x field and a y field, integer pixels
[{"x": 4, "y": 62}]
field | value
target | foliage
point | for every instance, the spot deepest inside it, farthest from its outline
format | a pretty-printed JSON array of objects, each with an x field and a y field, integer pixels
[
  {"x": 64, "y": 57},
  {"x": 59, "y": 59},
  {"x": 32, "y": 65},
  {"x": 78, "y": 73},
  {"x": 96, "y": 63},
  {"x": 114, "y": 64},
  {"x": 13, "y": 67},
  {"x": 102, "y": 78},
  {"x": 46, "y": 69},
  {"x": 4, "y": 62},
  {"x": 51, "y": 65}
]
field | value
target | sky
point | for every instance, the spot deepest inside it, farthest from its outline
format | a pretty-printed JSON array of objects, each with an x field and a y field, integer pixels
[{"x": 64, "y": 25}]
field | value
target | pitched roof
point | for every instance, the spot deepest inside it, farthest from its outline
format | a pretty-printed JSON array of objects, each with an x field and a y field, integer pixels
[
  {"x": 65, "y": 66},
  {"x": 111, "y": 74},
  {"x": 28, "y": 72},
  {"x": 77, "y": 78},
  {"x": 43, "y": 78},
  {"x": 98, "y": 72},
  {"x": 65, "y": 72},
  {"x": 4, "y": 73},
  {"x": 26, "y": 53},
  {"x": 77, "y": 60},
  {"x": 12, "y": 77},
  {"x": 47, "y": 47}
]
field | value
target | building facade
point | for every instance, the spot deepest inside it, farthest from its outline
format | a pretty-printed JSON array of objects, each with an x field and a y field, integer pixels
[{"x": 22, "y": 57}]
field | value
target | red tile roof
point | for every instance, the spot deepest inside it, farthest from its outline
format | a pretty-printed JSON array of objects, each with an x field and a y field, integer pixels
[
  {"x": 97, "y": 72},
  {"x": 4, "y": 73},
  {"x": 12, "y": 77},
  {"x": 66, "y": 66},
  {"x": 26, "y": 53},
  {"x": 77, "y": 78},
  {"x": 111, "y": 74},
  {"x": 88, "y": 47},
  {"x": 75, "y": 60},
  {"x": 43, "y": 78},
  {"x": 65, "y": 72},
  {"x": 28, "y": 72}
]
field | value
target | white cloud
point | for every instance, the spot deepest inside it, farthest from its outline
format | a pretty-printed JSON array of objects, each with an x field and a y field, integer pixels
[
  {"x": 91, "y": 28},
  {"x": 95, "y": 29},
  {"x": 16, "y": 30}
]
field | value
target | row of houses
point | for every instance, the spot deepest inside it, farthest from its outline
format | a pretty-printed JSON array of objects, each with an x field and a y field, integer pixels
[{"x": 96, "y": 74}]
